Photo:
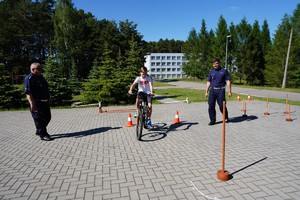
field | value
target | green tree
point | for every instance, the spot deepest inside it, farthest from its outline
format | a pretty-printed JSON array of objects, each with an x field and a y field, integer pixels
[
  {"x": 64, "y": 34},
  {"x": 192, "y": 53},
  {"x": 294, "y": 64},
  {"x": 243, "y": 32},
  {"x": 221, "y": 37},
  {"x": 59, "y": 87},
  {"x": 10, "y": 96},
  {"x": 102, "y": 87},
  {"x": 276, "y": 56},
  {"x": 206, "y": 51},
  {"x": 253, "y": 59},
  {"x": 25, "y": 34}
]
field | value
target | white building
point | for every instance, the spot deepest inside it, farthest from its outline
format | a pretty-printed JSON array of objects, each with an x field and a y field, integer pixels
[{"x": 165, "y": 65}]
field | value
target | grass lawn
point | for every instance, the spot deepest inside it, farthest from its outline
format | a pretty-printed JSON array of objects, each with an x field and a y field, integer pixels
[{"x": 199, "y": 96}]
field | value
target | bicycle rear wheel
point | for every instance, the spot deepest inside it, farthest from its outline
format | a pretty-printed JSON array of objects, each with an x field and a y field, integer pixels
[{"x": 139, "y": 124}]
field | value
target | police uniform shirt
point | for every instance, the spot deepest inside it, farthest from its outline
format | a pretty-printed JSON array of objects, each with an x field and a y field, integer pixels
[
  {"x": 37, "y": 86},
  {"x": 218, "y": 77}
]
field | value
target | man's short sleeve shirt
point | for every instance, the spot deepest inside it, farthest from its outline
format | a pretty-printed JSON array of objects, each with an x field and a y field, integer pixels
[
  {"x": 218, "y": 78},
  {"x": 37, "y": 86}
]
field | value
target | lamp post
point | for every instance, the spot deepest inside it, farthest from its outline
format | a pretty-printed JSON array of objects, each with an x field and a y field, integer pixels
[{"x": 228, "y": 36}]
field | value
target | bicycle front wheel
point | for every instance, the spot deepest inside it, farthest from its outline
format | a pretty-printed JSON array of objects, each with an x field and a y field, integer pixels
[{"x": 139, "y": 124}]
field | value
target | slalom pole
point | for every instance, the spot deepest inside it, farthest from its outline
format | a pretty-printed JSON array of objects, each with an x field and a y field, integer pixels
[
  {"x": 267, "y": 106},
  {"x": 222, "y": 174}
]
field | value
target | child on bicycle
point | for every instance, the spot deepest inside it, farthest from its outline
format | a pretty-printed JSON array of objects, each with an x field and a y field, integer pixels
[{"x": 144, "y": 83}]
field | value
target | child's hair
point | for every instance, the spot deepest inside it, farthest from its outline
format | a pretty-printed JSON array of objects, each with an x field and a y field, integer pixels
[{"x": 143, "y": 69}]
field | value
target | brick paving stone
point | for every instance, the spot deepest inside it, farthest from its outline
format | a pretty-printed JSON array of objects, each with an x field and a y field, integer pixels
[{"x": 95, "y": 156}]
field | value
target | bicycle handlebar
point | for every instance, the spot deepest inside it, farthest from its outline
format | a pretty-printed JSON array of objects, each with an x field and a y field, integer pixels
[{"x": 136, "y": 93}]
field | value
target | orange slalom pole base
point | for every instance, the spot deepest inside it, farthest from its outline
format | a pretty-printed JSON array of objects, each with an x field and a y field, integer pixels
[
  {"x": 223, "y": 175},
  {"x": 266, "y": 113},
  {"x": 289, "y": 119}
]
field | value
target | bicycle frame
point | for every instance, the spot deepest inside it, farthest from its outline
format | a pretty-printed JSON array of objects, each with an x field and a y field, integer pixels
[{"x": 142, "y": 116}]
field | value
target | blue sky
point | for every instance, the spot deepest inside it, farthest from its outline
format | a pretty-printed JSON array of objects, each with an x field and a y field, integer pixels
[{"x": 174, "y": 19}]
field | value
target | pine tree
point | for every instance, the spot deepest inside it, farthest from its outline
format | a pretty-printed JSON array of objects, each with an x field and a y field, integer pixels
[
  {"x": 59, "y": 87},
  {"x": 243, "y": 32},
  {"x": 254, "y": 66},
  {"x": 192, "y": 53},
  {"x": 276, "y": 56},
  {"x": 10, "y": 96}
]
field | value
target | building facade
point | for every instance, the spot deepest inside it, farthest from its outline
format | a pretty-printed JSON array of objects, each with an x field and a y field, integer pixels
[{"x": 165, "y": 65}]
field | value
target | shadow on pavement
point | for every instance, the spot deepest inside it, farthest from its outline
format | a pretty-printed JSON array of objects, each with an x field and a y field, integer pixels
[
  {"x": 83, "y": 133},
  {"x": 160, "y": 130},
  {"x": 231, "y": 175},
  {"x": 242, "y": 118}
]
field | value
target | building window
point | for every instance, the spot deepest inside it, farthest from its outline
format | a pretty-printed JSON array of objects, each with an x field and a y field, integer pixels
[
  {"x": 178, "y": 69},
  {"x": 152, "y": 63},
  {"x": 163, "y": 63},
  {"x": 157, "y": 57},
  {"x": 152, "y": 57},
  {"x": 163, "y": 69},
  {"x": 163, "y": 57},
  {"x": 168, "y": 57},
  {"x": 178, "y": 63},
  {"x": 168, "y": 63},
  {"x": 173, "y": 63},
  {"x": 178, "y": 57},
  {"x": 168, "y": 69},
  {"x": 173, "y": 69},
  {"x": 173, "y": 57},
  {"x": 158, "y": 69},
  {"x": 152, "y": 69},
  {"x": 158, "y": 64}
]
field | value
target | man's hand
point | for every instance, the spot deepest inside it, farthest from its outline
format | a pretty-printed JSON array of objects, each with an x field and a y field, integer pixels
[
  {"x": 229, "y": 94},
  {"x": 129, "y": 92},
  {"x": 33, "y": 107}
]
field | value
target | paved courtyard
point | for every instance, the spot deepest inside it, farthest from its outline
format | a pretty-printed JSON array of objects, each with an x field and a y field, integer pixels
[{"x": 95, "y": 156}]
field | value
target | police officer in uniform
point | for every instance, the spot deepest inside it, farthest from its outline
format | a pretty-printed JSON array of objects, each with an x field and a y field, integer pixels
[
  {"x": 38, "y": 96},
  {"x": 217, "y": 80}
]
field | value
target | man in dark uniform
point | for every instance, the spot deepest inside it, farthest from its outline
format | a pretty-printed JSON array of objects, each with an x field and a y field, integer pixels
[
  {"x": 217, "y": 80},
  {"x": 38, "y": 96}
]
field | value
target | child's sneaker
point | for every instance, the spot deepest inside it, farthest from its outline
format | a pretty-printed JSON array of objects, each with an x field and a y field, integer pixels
[{"x": 149, "y": 123}]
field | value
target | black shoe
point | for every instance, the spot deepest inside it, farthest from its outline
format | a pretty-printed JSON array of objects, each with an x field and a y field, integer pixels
[
  {"x": 46, "y": 138},
  {"x": 211, "y": 123}
]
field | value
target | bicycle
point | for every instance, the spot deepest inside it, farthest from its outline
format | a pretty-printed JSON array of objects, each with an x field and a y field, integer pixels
[{"x": 142, "y": 114}]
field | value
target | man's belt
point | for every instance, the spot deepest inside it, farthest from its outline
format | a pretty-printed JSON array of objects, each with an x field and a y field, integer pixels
[{"x": 218, "y": 88}]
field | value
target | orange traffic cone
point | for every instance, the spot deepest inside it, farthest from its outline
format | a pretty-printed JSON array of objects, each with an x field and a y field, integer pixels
[
  {"x": 238, "y": 98},
  {"x": 249, "y": 98},
  {"x": 176, "y": 120},
  {"x": 129, "y": 121}
]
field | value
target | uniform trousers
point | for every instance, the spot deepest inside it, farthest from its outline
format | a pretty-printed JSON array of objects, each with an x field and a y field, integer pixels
[
  {"x": 41, "y": 118},
  {"x": 216, "y": 95}
]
